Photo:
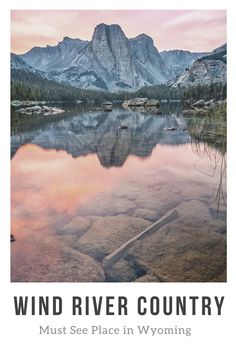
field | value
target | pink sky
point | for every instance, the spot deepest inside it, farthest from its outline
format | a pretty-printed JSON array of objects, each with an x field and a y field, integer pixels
[{"x": 195, "y": 30}]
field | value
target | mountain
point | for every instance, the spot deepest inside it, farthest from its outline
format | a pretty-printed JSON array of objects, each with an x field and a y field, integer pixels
[
  {"x": 54, "y": 57},
  {"x": 176, "y": 61},
  {"x": 113, "y": 62},
  {"x": 208, "y": 69},
  {"x": 17, "y": 63},
  {"x": 109, "y": 61}
]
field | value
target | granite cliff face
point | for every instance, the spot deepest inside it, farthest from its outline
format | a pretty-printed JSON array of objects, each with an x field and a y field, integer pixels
[
  {"x": 176, "y": 61},
  {"x": 205, "y": 70},
  {"x": 54, "y": 57},
  {"x": 17, "y": 63},
  {"x": 109, "y": 61}
]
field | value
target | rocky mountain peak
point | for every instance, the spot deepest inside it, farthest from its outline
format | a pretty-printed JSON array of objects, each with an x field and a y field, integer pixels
[
  {"x": 207, "y": 69},
  {"x": 144, "y": 37},
  {"x": 104, "y": 31},
  {"x": 111, "y": 61}
]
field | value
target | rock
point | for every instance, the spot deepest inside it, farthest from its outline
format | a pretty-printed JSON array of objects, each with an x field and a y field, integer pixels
[
  {"x": 107, "y": 103},
  {"x": 171, "y": 128},
  {"x": 153, "y": 109},
  {"x": 199, "y": 103},
  {"x": 110, "y": 61},
  {"x": 34, "y": 108},
  {"x": 153, "y": 102},
  {"x": 135, "y": 102},
  {"x": 206, "y": 70},
  {"x": 108, "y": 206},
  {"x": 16, "y": 103},
  {"x": 189, "y": 112},
  {"x": 190, "y": 249},
  {"x": 121, "y": 272},
  {"x": 142, "y": 105},
  {"x": 195, "y": 112},
  {"x": 147, "y": 278},
  {"x": 76, "y": 226},
  {"x": 46, "y": 259},
  {"x": 145, "y": 214},
  {"x": 176, "y": 61},
  {"x": 196, "y": 214},
  {"x": 108, "y": 233},
  {"x": 38, "y": 109},
  {"x": 209, "y": 103}
]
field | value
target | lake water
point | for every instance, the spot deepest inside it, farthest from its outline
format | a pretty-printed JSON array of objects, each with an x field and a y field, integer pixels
[{"x": 82, "y": 186}]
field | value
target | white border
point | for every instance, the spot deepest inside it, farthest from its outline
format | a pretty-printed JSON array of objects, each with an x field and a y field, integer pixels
[{"x": 210, "y": 335}]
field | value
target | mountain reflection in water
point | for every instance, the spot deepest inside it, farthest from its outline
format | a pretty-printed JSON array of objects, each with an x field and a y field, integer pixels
[
  {"x": 100, "y": 132},
  {"x": 82, "y": 186}
]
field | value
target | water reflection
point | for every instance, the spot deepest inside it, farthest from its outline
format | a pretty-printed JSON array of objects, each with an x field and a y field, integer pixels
[
  {"x": 71, "y": 205},
  {"x": 101, "y": 133}
]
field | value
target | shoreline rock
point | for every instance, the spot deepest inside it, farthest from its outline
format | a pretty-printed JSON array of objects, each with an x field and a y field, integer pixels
[
  {"x": 140, "y": 102},
  {"x": 45, "y": 110}
]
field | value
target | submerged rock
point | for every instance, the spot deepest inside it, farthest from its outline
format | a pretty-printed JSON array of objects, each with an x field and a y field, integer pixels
[
  {"x": 190, "y": 249},
  {"x": 145, "y": 214},
  {"x": 121, "y": 272},
  {"x": 147, "y": 278},
  {"x": 76, "y": 226},
  {"x": 108, "y": 206},
  {"x": 108, "y": 233},
  {"x": 46, "y": 259}
]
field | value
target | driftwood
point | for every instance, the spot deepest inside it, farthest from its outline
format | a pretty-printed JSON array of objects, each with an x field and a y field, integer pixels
[{"x": 115, "y": 256}]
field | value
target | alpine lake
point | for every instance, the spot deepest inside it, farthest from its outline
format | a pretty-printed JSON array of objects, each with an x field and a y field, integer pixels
[{"x": 86, "y": 181}]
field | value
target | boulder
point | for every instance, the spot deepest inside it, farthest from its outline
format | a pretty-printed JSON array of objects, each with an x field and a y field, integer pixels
[
  {"x": 76, "y": 226},
  {"x": 108, "y": 233},
  {"x": 209, "y": 103},
  {"x": 190, "y": 249},
  {"x": 199, "y": 103},
  {"x": 16, "y": 103},
  {"x": 153, "y": 102},
  {"x": 189, "y": 112},
  {"x": 107, "y": 103},
  {"x": 145, "y": 214},
  {"x": 121, "y": 272},
  {"x": 38, "y": 109},
  {"x": 135, "y": 102},
  {"x": 34, "y": 108},
  {"x": 47, "y": 259}
]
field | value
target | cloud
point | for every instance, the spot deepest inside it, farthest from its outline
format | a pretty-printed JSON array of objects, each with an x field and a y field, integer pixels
[
  {"x": 170, "y": 29},
  {"x": 196, "y": 16}
]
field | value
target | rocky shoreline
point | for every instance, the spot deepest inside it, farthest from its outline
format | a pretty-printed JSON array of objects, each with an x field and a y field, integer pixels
[
  {"x": 201, "y": 107},
  {"x": 45, "y": 110}
]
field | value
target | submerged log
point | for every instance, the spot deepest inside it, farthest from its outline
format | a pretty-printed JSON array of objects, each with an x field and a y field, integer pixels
[{"x": 115, "y": 256}]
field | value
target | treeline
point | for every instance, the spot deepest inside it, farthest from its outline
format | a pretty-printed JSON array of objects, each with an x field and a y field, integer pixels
[
  {"x": 31, "y": 86},
  {"x": 160, "y": 92},
  {"x": 216, "y": 91}
]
